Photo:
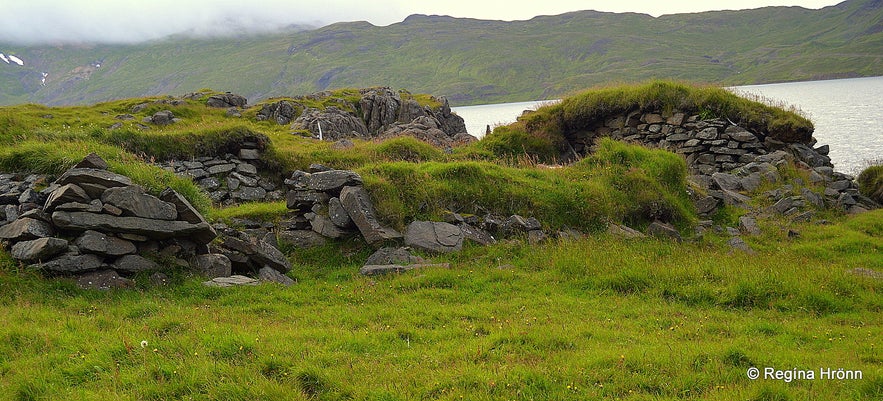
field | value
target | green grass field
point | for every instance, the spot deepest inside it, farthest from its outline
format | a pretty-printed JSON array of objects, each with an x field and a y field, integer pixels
[
  {"x": 591, "y": 318},
  {"x": 586, "y": 319}
]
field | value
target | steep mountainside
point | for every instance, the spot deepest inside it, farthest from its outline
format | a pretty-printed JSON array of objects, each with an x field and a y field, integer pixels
[{"x": 469, "y": 61}]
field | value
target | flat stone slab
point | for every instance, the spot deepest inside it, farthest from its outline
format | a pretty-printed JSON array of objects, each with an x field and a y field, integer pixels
[
  {"x": 232, "y": 281},
  {"x": 156, "y": 229}
]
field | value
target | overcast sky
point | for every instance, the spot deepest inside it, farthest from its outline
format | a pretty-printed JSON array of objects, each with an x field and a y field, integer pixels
[{"x": 127, "y": 21}]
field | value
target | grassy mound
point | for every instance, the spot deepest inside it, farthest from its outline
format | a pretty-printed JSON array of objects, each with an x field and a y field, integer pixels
[
  {"x": 541, "y": 134},
  {"x": 870, "y": 183}
]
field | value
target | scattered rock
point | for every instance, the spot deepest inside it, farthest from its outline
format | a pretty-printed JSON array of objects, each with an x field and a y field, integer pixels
[
  {"x": 434, "y": 236},
  {"x": 740, "y": 245},
  {"x": 748, "y": 225},
  {"x": 623, "y": 231},
  {"x": 274, "y": 276}
]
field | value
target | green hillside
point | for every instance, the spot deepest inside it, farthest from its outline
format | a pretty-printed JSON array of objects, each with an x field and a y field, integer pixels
[{"x": 470, "y": 61}]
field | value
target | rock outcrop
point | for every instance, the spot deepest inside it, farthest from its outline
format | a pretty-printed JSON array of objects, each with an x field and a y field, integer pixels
[{"x": 380, "y": 112}]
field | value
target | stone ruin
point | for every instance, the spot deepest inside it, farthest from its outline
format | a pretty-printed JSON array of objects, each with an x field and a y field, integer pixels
[{"x": 101, "y": 228}]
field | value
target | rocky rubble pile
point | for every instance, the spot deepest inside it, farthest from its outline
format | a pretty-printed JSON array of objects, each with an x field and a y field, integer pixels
[{"x": 99, "y": 226}]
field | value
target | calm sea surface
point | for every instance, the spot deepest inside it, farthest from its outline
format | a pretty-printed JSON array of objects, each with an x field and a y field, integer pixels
[{"x": 847, "y": 114}]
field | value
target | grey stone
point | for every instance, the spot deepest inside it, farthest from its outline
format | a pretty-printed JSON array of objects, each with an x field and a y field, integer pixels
[
  {"x": 751, "y": 182},
  {"x": 247, "y": 169},
  {"x": 434, "y": 236},
  {"x": 220, "y": 169},
  {"x": 740, "y": 245},
  {"x": 244, "y": 180},
  {"x": 662, "y": 230},
  {"x": 29, "y": 196},
  {"x": 823, "y": 150},
  {"x": 226, "y": 100},
  {"x": 706, "y": 205},
  {"x": 709, "y": 133},
  {"x": 102, "y": 178},
  {"x": 94, "y": 207},
  {"x": 813, "y": 198},
  {"x": 338, "y": 214},
  {"x": 477, "y": 235},
  {"x": 740, "y": 134},
  {"x": 100, "y": 243},
  {"x": 331, "y": 182},
  {"x": 731, "y": 198},
  {"x": 748, "y": 225},
  {"x": 305, "y": 199},
  {"x": 185, "y": 210},
  {"x": 70, "y": 263},
  {"x": 343, "y": 144},
  {"x": 232, "y": 281},
  {"x": 201, "y": 233},
  {"x": 209, "y": 184},
  {"x": 536, "y": 236},
  {"x": 25, "y": 229},
  {"x": 270, "y": 275},
  {"x": 212, "y": 265},
  {"x": 301, "y": 239},
  {"x": 259, "y": 252},
  {"x": 133, "y": 201},
  {"x": 249, "y": 154},
  {"x": 38, "y": 249},
  {"x": 841, "y": 185},
  {"x": 376, "y": 270},
  {"x": 92, "y": 161},
  {"x": 103, "y": 280},
  {"x": 36, "y": 214},
  {"x": 393, "y": 256},
  {"x": 727, "y": 181},
  {"x": 358, "y": 206},
  {"x": 134, "y": 264},
  {"x": 324, "y": 226},
  {"x": 195, "y": 174},
  {"x": 67, "y": 193},
  {"x": 516, "y": 223},
  {"x": 783, "y": 205},
  {"x": 623, "y": 231},
  {"x": 250, "y": 194}
]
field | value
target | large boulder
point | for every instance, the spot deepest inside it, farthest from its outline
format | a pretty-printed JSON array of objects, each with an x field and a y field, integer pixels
[
  {"x": 226, "y": 100},
  {"x": 357, "y": 203},
  {"x": 434, "y": 236},
  {"x": 133, "y": 201}
]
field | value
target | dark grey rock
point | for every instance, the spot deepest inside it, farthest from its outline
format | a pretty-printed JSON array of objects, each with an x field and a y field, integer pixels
[
  {"x": 98, "y": 179},
  {"x": 270, "y": 275},
  {"x": 477, "y": 235},
  {"x": 623, "y": 231},
  {"x": 71, "y": 263},
  {"x": 813, "y": 198},
  {"x": 249, "y": 154},
  {"x": 134, "y": 264},
  {"x": 201, "y": 233},
  {"x": 434, "y": 236},
  {"x": 740, "y": 134},
  {"x": 103, "y": 280},
  {"x": 185, "y": 210},
  {"x": 358, "y": 206},
  {"x": 134, "y": 202},
  {"x": 30, "y": 196},
  {"x": 38, "y": 249},
  {"x": 259, "y": 252},
  {"x": 92, "y": 161},
  {"x": 748, "y": 225},
  {"x": 68, "y": 193},
  {"x": 393, "y": 256},
  {"x": 164, "y": 117},
  {"x": 662, "y": 230},
  {"x": 94, "y": 207},
  {"x": 740, "y": 245},
  {"x": 250, "y": 194},
  {"x": 376, "y": 270},
  {"x": 226, "y": 100},
  {"x": 783, "y": 205},
  {"x": 727, "y": 181},
  {"x": 305, "y": 199},
  {"x": 220, "y": 169},
  {"x": 338, "y": 214},
  {"x": 244, "y": 180},
  {"x": 331, "y": 182},
  {"x": 25, "y": 229},
  {"x": 706, "y": 205},
  {"x": 102, "y": 244},
  {"x": 247, "y": 169},
  {"x": 209, "y": 184},
  {"x": 325, "y": 227},
  {"x": 751, "y": 182},
  {"x": 536, "y": 236},
  {"x": 301, "y": 239},
  {"x": 212, "y": 265}
]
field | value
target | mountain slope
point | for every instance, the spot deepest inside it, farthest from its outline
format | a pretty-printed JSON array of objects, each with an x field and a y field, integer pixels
[{"x": 470, "y": 61}]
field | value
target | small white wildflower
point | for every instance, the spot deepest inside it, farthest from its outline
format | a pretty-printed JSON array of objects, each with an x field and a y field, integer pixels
[{"x": 144, "y": 344}]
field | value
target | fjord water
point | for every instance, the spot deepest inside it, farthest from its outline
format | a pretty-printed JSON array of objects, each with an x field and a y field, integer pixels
[{"x": 847, "y": 114}]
